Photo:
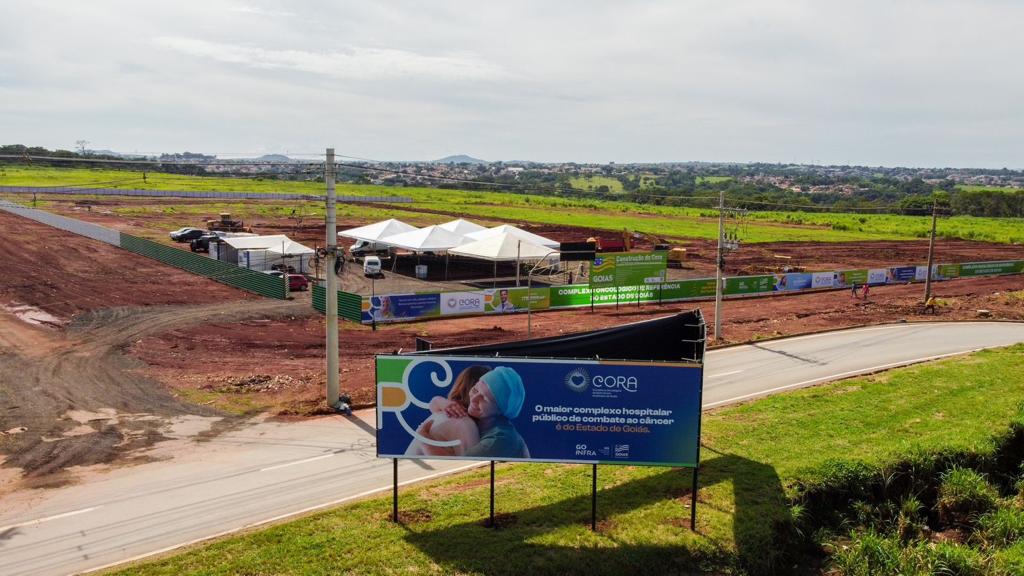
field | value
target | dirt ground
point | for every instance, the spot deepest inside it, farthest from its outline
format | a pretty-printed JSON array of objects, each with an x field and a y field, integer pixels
[
  {"x": 750, "y": 259},
  {"x": 232, "y": 358},
  {"x": 65, "y": 274},
  {"x": 71, "y": 307}
]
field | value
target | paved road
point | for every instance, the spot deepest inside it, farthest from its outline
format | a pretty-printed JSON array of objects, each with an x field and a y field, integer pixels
[{"x": 273, "y": 470}]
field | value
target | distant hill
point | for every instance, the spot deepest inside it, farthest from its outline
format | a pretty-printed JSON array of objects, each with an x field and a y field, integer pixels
[
  {"x": 273, "y": 158},
  {"x": 460, "y": 159}
]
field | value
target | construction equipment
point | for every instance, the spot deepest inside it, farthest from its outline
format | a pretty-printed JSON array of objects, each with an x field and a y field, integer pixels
[
  {"x": 676, "y": 257},
  {"x": 226, "y": 224}
]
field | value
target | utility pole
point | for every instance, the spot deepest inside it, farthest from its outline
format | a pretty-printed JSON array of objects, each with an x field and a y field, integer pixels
[
  {"x": 332, "y": 284},
  {"x": 931, "y": 252},
  {"x": 720, "y": 265}
]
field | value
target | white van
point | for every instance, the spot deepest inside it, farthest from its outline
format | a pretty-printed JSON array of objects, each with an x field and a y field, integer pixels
[{"x": 371, "y": 266}]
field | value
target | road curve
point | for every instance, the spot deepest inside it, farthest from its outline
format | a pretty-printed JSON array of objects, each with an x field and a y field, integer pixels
[{"x": 273, "y": 470}]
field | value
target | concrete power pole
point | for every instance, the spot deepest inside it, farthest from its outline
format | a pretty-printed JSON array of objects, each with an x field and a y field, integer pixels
[
  {"x": 332, "y": 283},
  {"x": 931, "y": 253},
  {"x": 720, "y": 264}
]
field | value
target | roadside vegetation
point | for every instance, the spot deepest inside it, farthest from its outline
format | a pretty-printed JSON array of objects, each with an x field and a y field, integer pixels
[
  {"x": 431, "y": 205},
  {"x": 912, "y": 471}
]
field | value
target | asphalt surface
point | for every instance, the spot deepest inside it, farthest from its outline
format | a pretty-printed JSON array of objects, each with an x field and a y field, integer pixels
[{"x": 272, "y": 470}]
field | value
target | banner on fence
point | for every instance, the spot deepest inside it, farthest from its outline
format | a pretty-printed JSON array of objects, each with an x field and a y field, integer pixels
[
  {"x": 399, "y": 307},
  {"x": 628, "y": 269},
  {"x": 547, "y": 410}
]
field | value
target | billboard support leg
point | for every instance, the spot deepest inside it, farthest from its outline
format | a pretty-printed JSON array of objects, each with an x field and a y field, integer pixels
[
  {"x": 693, "y": 502},
  {"x": 394, "y": 492},
  {"x": 593, "y": 499},
  {"x": 492, "y": 495}
]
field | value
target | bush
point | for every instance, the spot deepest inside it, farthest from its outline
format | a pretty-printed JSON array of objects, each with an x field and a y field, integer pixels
[
  {"x": 954, "y": 560},
  {"x": 964, "y": 495},
  {"x": 1001, "y": 527},
  {"x": 1010, "y": 562},
  {"x": 868, "y": 554}
]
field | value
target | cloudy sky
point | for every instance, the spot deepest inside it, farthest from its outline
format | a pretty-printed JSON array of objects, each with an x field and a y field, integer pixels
[{"x": 929, "y": 83}]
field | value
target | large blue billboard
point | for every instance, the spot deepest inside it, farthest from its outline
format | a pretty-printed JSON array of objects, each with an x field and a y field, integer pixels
[{"x": 487, "y": 408}]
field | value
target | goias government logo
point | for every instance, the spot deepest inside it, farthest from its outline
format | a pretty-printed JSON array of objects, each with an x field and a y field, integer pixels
[{"x": 577, "y": 380}]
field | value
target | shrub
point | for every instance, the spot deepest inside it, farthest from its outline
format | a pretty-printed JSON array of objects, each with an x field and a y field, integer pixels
[
  {"x": 1010, "y": 562},
  {"x": 868, "y": 554},
  {"x": 954, "y": 560},
  {"x": 964, "y": 495},
  {"x": 1001, "y": 527}
]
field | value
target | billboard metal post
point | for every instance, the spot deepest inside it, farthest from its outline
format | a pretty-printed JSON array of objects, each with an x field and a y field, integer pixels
[
  {"x": 492, "y": 495},
  {"x": 394, "y": 492},
  {"x": 593, "y": 498},
  {"x": 693, "y": 501}
]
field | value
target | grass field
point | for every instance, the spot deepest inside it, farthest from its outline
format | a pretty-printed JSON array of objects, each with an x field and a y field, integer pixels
[
  {"x": 756, "y": 457},
  {"x": 591, "y": 183},
  {"x": 666, "y": 221}
]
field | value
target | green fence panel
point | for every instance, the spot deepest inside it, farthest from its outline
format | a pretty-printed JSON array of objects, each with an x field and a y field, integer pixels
[
  {"x": 249, "y": 280},
  {"x": 350, "y": 306}
]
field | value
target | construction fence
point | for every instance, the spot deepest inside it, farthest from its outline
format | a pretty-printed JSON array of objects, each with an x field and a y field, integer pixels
[
  {"x": 432, "y": 305},
  {"x": 245, "y": 279}
]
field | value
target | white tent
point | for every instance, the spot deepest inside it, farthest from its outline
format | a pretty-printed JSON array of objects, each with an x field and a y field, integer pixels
[
  {"x": 278, "y": 244},
  {"x": 461, "y": 227},
  {"x": 518, "y": 232},
  {"x": 377, "y": 231},
  {"x": 504, "y": 247},
  {"x": 263, "y": 252},
  {"x": 429, "y": 239}
]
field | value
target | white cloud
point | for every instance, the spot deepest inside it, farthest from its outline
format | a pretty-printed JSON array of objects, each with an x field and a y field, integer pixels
[{"x": 354, "y": 63}]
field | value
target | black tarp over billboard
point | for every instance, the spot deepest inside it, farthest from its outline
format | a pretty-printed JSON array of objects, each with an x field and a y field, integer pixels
[{"x": 669, "y": 339}]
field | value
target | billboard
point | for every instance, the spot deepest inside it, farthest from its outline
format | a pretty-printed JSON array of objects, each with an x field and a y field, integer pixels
[
  {"x": 749, "y": 285},
  {"x": 401, "y": 307},
  {"x": 793, "y": 281},
  {"x": 547, "y": 410},
  {"x": 902, "y": 274},
  {"x": 628, "y": 269}
]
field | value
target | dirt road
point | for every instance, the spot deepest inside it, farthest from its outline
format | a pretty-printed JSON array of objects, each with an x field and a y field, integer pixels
[{"x": 73, "y": 398}]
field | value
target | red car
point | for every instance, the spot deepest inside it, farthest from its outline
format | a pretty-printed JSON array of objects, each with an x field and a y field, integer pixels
[{"x": 296, "y": 282}]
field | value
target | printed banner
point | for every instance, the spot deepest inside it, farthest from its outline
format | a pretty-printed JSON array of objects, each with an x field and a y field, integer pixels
[
  {"x": 901, "y": 274},
  {"x": 825, "y": 280},
  {"x": 793, "y": 281},
  {"x": 878, "y": 275},
  {"x": 538, "y": 410},
  {"x": 628, "y": 269},
  {"x": 991, "y": 268},
  {"x": 399, "y": 307},
  {"x": 749, "y": 285},
  {"x": 504, "y": 300}
]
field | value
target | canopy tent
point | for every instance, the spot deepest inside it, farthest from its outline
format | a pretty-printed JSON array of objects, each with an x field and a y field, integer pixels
[
  {"x": 263, "y": 252},
  {"x": 461, "y": 227},
  {"x": 377, "y": 231},
  {"x": 429, "y": 239},
  {"x": 504, "y": 247},
  {"x": 519, "y": 232}
]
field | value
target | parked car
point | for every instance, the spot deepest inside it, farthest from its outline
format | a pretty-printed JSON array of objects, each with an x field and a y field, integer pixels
[
  {"x": 187, "y": 234},
  {"x": 296, "y": 282},
  {"x": 372, "y": 267},
  {"x": 202, "y": 244}
]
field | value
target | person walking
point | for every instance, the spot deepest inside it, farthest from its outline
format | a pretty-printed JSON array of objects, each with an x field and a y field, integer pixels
[
  {"x": 853, "y": 291},
  {"x": 866, "y": 288}
]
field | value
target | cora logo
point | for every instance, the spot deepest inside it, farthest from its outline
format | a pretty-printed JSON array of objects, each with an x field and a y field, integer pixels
[
  {"x": 627, "y": 383},
  {"x": 577, "y": 380}
]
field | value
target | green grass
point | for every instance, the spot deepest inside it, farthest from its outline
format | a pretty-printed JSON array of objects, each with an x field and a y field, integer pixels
[
  {"x": 591, "y": 183},
  {"x": 666, "y": 221},
  {"x": 755, "y": 457}
]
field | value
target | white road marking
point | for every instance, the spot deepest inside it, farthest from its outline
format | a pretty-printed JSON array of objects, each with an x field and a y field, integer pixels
[
  {"x": 48, "y": 518},
  {"x": 283, "y": 517},
  {"x": 297, "y": 462},
  {"x": 837, "y": 376},
  {"x": 719, "y": 375}
]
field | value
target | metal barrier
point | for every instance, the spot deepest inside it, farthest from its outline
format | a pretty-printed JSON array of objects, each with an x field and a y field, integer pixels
[
  {"x": 194, "y": 194},
  {"x": 350, "y": 306}
]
